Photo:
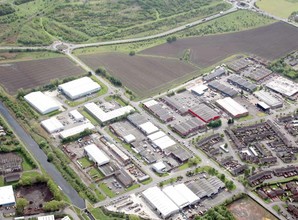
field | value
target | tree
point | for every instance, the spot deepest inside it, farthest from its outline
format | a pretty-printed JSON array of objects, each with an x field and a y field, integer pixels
[
  {"x": 132, "y": 53},
  {"x": 230, "y": 185},
  {"x": 53, "y": 206},
  {"x": 222, "y": 177},
  {"x": 50, "y": 157},
  {"x": 20, "y": 205}
]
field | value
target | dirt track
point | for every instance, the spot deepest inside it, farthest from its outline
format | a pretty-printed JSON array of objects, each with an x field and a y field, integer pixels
[{"x": 271, "y": 42}]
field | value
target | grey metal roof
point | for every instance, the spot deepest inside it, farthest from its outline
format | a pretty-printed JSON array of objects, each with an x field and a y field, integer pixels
[
  {"x": 223, "y": 89},
  {"x": 238, "y": 80}
]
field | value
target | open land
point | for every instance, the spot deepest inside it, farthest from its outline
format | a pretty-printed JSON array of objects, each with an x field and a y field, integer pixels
[
  {"x": 271, "y": 42},
  {"x": 247, "y": 208},
  {"x": 41, "y": 22},
  {"x": 281, "y": 8},
  {"x": 31, "y": 74},
  {"x": 141, "y": 74}
]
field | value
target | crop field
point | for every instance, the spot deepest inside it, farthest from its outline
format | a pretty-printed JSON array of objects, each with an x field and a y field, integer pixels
[
  {"x": 271, "y": 42},
  {"x": 281, "y": 8},
  {"x": 142, "y": 74},
  {"x": 31, "y": 74}
]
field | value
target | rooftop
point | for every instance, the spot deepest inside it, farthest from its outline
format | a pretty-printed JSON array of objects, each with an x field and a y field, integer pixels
[{"x": 6, "y": 195}]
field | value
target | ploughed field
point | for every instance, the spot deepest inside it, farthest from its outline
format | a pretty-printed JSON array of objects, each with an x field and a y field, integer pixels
[
  {"x": 142, "y": 74},
  {"x": 34, "y": 73},
  {"x": 271, "y": 42}
]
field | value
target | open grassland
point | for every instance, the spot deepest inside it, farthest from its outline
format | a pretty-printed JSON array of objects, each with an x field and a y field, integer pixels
[
  {"x": 142, "y": 74},
  {"x": 6, "y": 56},
  {"x": 233, "y": 22},
  {"x": 31, "y": 74},
  {"x": 280, "y": 8},
  {"x": 271, "y": 42},
  {"x": 39, "y": 22}
]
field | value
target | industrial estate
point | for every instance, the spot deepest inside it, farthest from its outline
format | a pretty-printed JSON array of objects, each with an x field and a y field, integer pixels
[{"x": 167, "y": 126}]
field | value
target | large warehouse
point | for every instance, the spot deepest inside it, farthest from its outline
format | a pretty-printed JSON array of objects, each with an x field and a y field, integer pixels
[
  {"x": 204, "y": 112},
  {"x": 227, "y": 91},
  {"x": 157, "y": 199},
  {"x": 42, "y": 103},
  {"x": 232, "y": 107},
  {"x": 104, "y": 117},
  {"x": 268, "y": 99},
  {"x": 283, "y": 86},
  {"x": 80, "y": 87},
  {"x": 52, "y": 125},
  {"x": 75, "y": 130},
  {"x": 7, "y": 196},
  {"x": 175, "y": 196},
  {"x": 96, "y": 155},
  {"x": 163, "y": 142},
  {"x": 148, "y": 128}
]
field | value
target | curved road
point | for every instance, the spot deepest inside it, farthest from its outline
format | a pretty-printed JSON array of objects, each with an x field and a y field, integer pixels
[{"x": 39, "y": 155}]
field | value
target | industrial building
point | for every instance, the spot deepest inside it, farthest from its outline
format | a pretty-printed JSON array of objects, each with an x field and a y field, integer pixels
[
  {"x": 175, "y": 105},
  {"x": 42, "y": 103},
  {"x": 159, "y": 167},
  {"x": 239, "y": 64},
  {"x": 136, "y": 119},
  {"x": 7, "y": 197},
  {"x": 76, "y": 115},
  {"x": 227, "y": 91},
  {"x": 242, "y": 83},
  {"x": 80, "y": 87},
  {"x": 159, "y": 201},
  {"x": 148, "y": 128},
  {"x": 175, "y": 196},
  {"x": 283, "y": 86},
  {"x": 103, "y": 116},
  {"x": 118, "y": 153},
  {"x": 96, "y": 155},
  {"x": 52, "y": 125},
  {"x": 268, "y": 99},
  {"x": 199, "y": 89},
  {"x": 232, "y": 107},
  {"x": 75, "y": 130},
  {"x": 189, "y": 126},
  {"x": 124, "y": 178},
  {"x": 263, "y": 106},
  {"x": 214, "y": 74},
  {"x": 156, "y": 135},
  {"x": 257, "y": 74},
  {"x": 163, "y": 142},
  {"x": 46, "y": 217},
  {"x": 187, "y": 193},
  {"x": 158, "y": 111},
  {"x": 204, "y": 112}
]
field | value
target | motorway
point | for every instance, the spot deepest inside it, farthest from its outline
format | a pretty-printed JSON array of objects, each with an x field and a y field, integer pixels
[{"x": 40, "y": 156}]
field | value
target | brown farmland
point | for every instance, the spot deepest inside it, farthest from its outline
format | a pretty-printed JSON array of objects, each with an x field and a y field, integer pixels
[
  {"x": 271, "y": 42},
  {"x": 141, "y": 74},
  {"x": 31, "y": 74}
]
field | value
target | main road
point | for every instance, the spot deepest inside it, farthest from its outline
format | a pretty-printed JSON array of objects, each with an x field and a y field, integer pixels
[{"x": 39, "y": 155}]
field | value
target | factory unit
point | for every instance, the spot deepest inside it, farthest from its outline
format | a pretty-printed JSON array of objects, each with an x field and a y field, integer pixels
[
  {"x": 76, "y": 115},
  {"x": 242, "y": 83},
  {"x": 42, "y": 103},
  {"x": 232, "y": 107},
  {"x": 199, "y": 89},
  {"x": 268, "y": 99},
  {"x": 79, "y": 87},
  {"x": 158, "y": 111},
  {"x": 163, "y": 142},
  {"x": 76, "y": 130},
  {"x": 104, "y": 117},
  {"x": 263, "y": 106},
  {"x": 159, "y": 167},
  {"x": 175, "y": 105},
  {"x": 227, "y": 91},
  {"x": 46, "y": 217},
  {"x": 214, "y": 74},
  {"x": 283, "y": 86},
  {"x": 189, "y": 126},
  {"x": 119, "y": 153},
  {"x": 160, "y": 202},
  {"x": 96, "y": 155},
  {"x": 52, "y": 125},
  {"x": 175, "y": 196},
  {"x": 204, "y": 112},
  {"x": 7, "y": 197},
  {"x": 148, "y": 128}
]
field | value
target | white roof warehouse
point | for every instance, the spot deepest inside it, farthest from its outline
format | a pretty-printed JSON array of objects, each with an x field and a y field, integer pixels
[
  {"x": 96, "y": 155},
  {"x": 42, "y": 103},
  {"x": 232, "y": 107},
  {"x": 102, "y": 116},
  {"x": 80, "y": 87},
  {"x": 7, "y": 196}
]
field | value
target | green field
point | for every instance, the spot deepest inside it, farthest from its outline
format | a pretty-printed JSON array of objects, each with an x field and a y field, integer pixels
[
  {"x": 106, "y": 190},
  {"x": 280, "y": 8},
  {"x": 85, "y": 162},
  {"x": 40, "y": 22}
]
